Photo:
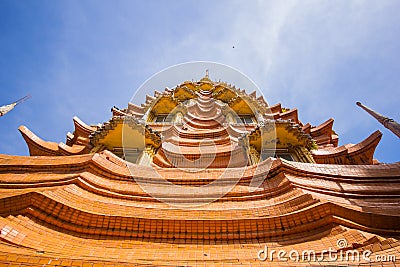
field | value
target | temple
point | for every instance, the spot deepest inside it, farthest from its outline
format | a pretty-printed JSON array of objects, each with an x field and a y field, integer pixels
[{"x": 204, "y": 174}]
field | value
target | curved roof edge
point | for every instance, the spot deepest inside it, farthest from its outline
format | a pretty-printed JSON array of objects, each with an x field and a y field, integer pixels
[
  {"x": 361, "y": 153},
  {"x": 39, "y": 147}
]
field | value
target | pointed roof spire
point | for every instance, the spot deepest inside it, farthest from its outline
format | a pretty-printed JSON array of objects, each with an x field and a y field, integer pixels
[
  {"x": 385, "y": 121},
  {"x": 7, "y": 108},
  {"x": 19, "y": 101},
  {"x": 206, "y": 78}
]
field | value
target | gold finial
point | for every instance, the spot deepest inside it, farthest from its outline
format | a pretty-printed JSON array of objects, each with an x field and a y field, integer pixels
[{"x": 206, "y": 77}]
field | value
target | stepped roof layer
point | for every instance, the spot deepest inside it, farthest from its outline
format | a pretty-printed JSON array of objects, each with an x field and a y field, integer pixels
[{"x": 86, "y": 203}]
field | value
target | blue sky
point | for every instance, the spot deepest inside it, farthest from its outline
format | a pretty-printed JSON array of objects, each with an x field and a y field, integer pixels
[{"x": 83, "y": 57}]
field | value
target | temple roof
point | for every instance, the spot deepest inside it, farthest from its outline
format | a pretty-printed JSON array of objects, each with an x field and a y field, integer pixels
[
  {"x": 349, "y": 154},
  {"x": 200, "y": 174},
  {"x": 320, "y": 141}
]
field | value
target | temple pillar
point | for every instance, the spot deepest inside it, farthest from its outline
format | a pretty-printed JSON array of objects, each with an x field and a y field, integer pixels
[{"x": 302, "y": 154}]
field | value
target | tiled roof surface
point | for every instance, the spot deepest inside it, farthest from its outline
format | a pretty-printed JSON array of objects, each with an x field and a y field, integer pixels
[{"x": 95, "y": 207}]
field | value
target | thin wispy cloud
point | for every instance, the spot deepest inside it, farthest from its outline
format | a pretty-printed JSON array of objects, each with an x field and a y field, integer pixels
[{"x": 320, "y": 56}]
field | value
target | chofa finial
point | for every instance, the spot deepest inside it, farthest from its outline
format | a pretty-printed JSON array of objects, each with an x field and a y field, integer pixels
[
  {"x": 385, "y": 121},
  {"x": 7, "y": 108}
]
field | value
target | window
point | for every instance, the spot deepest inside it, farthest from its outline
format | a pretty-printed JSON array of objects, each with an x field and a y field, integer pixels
[
  {"x": 279, "y": 153},
  {"x": 286, "y": 156},
  {"x": 246, "y": 119},
  {"x": 128, "y": 154},
  {"x": 162, "y": 118}
]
